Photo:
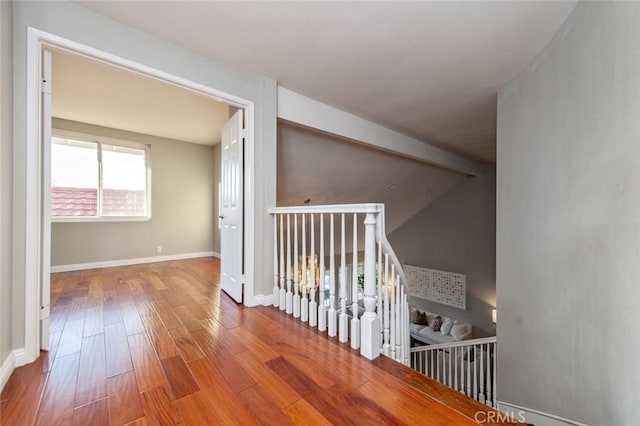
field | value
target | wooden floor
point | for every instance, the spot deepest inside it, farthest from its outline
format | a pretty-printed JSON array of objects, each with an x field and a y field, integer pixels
[{"x": 160, "y": 344}]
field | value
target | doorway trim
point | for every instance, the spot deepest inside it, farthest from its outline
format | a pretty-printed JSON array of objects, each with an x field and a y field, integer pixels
[{"x": 35, "y": 263}]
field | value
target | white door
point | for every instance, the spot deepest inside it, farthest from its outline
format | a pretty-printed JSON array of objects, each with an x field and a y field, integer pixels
[
  {"x": 231, "y": 214},
  {"x": 45, "y": 279}
]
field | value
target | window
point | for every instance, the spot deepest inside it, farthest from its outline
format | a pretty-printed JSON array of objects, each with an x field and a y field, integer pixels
[{"x": 99, "y": 179}]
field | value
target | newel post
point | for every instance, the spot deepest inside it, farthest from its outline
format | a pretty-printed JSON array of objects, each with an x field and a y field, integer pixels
[{"x": 370, "y": 326}]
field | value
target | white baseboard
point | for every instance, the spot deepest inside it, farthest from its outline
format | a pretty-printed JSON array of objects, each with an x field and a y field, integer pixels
[
  {"x": 136, "y": 261},
  {"x": 536, "y": 417},
  {"x": 264, "y": 300},
  {"x": 13, "y": 360}
]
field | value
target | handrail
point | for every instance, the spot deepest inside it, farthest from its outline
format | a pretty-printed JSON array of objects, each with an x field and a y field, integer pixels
[
  {"x": 330, "y": 208},
  {"x": 479, "y": 341}
]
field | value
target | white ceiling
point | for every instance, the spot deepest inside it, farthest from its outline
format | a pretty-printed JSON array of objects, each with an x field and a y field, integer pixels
[
  {"x": 92, "y": 92},
  {"x": 429, "y": 69},
  {"x": 326, "y": 170}
]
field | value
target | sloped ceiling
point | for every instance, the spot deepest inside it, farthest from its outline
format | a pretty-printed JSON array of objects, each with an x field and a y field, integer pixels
[
  {"x": 92, "y": 92},
  {"x": 429, "y": 69},
  {"x": 327, "y": 170}
]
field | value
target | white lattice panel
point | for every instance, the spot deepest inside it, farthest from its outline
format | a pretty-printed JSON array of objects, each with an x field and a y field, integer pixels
[{"x": 443, "y": 287}]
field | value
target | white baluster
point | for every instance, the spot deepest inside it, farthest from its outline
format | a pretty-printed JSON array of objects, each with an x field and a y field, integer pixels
[
  {"x": 488, "y": 384},
  {"x": 371, "y": 328},
  {"x": 355, "y": 322},
  {"x": 333, "y": 320},
  {"x": 398, "y": 321},
  {"x": 343, "y": 334},
  {"x": 283, "y": 292},
  {"x": 475, "y": 372},
  {"x": 481, "y": 397},
  {"x": 304, "y": 303},
  {"x": 387, "y": 288},
  {"x": 296, "y": 271},
  {"x": 495, "y": 383},
  {"x": 313, "y": 305},
  {"x": 392, "y": 325},
  {"x": 469, "y": 358},
  {"x": 455, "y": 368},
  {"x": 276, "y": 277},
  {"x": 322, "y": 312},
  {"x": 282, "y": 270},
  {"x": 292, "y": 279}
]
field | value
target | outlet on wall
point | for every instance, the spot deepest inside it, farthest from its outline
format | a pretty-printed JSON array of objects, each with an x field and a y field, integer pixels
[{"x": 159, "y": 249}]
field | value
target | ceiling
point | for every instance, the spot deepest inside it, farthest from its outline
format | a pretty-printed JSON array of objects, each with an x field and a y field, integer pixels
[
  {"x": 326, "y": 170},
  {"x": 428, "y": 69},
  {"x": 92, "y": 92}
]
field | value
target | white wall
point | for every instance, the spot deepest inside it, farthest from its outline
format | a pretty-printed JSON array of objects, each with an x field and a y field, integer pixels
[
  {"x": 6, "y": 147},
  {"x": 456, "y": 233},
  {"x": 183, "y": 206},
  {"x": 568, "y": 227},
  {"x": 71, "y": 21}
]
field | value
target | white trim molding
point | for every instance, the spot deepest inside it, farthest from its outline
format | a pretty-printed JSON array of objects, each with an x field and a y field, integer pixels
[
  {"x": 306, "y": 112},
  {"x": 134, "y": 261},
  {"x": 539, "y": 418},
  {"x": 13, "y": 360},
  {"x": 264, "y": 300}
]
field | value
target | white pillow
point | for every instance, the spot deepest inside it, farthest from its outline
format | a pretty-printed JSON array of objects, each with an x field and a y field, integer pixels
[
  {"x": 458, "y": 331},
  {"x": 446, "y": 326}
]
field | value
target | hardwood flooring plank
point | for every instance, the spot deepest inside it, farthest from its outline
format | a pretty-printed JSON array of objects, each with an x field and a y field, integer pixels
[
  {"x": 93, "y": 322},
  {"x": 131, "y": 319},
  {"x": 221, "y": 395},
  {"x": 180, "y": 380},
  {"x": 21, "y": 396},
  {"x": 159, "y": 336},
  {"x": 119, "y": 359},
  {"x": 146, "y": 365},
  {"x": 92, "y": 373},
  {"x": 71, "y": 339},
  {"x": 158, "y": 407},
  {"x": 111, "y": 308},
  {"x": 224, "y": 361},
  {"x": 282, "y": 394},
  {"x": 94, "y": 414},
  {"x": 187, "y": 318},
  {"x": 165, "y": 312},
  {"x": 60, "y": 392},
  {"x": 196, "y": 410},
  {"x": 303, "y": 413},
  {"x": 260, "y": 349},
  {"x": 186, "y": 345},
  {"x": 124, "y": 400},
  {"x": 263, "y": 408}
]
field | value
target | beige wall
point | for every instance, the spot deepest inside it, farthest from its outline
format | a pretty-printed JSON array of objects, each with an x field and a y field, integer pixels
[
  {"x": 183, "y": 211},
  {"x": 568, "y": 234},
  {"x": 6, "y": 156},
  {"x": 457, "y": 233}
]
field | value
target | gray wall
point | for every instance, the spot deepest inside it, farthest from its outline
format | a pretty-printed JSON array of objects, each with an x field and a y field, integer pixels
[
  {"x": 568, "y": 228},
  {"x": 6, "y": 149},
  {"x": 183, "y": 206},
  {"x": 71, "y": 21},
  {"x": 456, "y": 233}
]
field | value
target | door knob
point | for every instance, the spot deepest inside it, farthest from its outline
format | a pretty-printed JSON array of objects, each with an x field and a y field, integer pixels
[{"x": 221, "y": 217}]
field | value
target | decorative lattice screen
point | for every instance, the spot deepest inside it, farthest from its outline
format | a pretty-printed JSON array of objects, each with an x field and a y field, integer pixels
[{"x": 443, "y": 287}]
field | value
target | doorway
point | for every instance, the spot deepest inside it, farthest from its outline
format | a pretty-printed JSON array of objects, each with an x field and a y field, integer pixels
[{"x": 36, "y": 297}]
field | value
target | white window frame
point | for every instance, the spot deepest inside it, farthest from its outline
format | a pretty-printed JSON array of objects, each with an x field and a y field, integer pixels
[{"x": 100, "y": 140}]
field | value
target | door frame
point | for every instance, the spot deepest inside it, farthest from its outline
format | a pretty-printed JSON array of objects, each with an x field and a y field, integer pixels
[{"x": 36, "y": 157}]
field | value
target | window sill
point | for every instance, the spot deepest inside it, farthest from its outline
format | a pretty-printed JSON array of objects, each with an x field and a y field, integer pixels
[{"x": 100, "y": 219}]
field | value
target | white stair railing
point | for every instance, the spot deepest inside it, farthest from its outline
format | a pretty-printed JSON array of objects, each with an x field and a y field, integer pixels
[
  {"x": 374, "y": 318},
  {"x": 468, "y": 366}
]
